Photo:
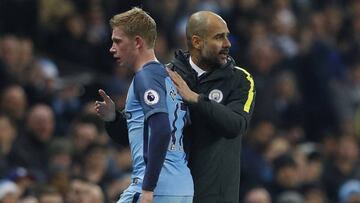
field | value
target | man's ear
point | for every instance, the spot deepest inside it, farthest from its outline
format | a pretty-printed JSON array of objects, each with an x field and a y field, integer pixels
[
  {"x": 197, "y": 41},
  {"x": 139, "y": 42}
]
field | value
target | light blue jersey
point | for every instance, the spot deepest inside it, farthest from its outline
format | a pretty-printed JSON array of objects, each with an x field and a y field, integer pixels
[{"x": 150, "y": 92}]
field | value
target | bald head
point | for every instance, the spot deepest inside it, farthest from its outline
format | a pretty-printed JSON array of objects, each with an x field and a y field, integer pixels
[
  {"x": 258, "y": 195},
  {"x": 200, "y": 23}
]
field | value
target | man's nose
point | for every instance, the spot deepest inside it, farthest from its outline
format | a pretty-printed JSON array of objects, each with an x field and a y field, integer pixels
[
  {"x": 112, "y": 49},
  {"x": 227, "y": 43}
]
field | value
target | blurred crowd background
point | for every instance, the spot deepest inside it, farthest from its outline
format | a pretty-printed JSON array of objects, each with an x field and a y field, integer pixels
[{"x": 303, "y": 143}]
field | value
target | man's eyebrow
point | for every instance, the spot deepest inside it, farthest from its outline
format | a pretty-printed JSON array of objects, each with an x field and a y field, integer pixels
[
  {"x": 221, "y": 34},
  {"x": 115, "y": 38}
]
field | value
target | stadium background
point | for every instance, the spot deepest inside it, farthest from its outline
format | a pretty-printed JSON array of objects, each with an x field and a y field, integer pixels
[{"x": 303, "y": 143}]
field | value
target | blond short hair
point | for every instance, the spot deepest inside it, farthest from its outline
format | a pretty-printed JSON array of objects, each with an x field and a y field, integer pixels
[{"x": 136, "y": 22}]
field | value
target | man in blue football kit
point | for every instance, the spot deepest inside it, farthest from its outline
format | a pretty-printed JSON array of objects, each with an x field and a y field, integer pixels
[{"x": 155, "y": 115}]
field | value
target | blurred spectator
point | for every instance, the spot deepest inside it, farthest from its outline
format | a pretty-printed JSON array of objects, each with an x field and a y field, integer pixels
[
  {"x": 255, "y": 167},
  {"x": 81, "y": 191},
  {"x": 8, "y": 134},
  {"x": 85, "y": 131},
  {"x": 284, "y": 28},
  {"x": 313, "y": 168},
  {"x": 97, "y": 31},
  {"x": 350, "y": 191},
  {"x": 71, "y": 39},
  {"x": 264, "y": 60},
  {"x": 13, "y": 102},
  {"x": 48, "y": 194},
  {"x": 290, "y": 197},
  {"x": 286, "y": 176},
  {"x": 9, "y": 54},
  {"x": 314, "y": 193},
  {"x": 287, "y": 103},
  {"x": 277, "y": 146},
  {"x": 343, "y": 166},
  {"x": 24, "y": 180},
  {"x": 99, "y": 169},
  {"x": 53, "y": 11},
  {"x": 42, "y": 81},
  {"x": 59, "y": 178},
  {"x": 258, "y": 195},
  {"x": 8, "y": 192},
  {"x": 60, "y": 164},
  {"x": 95, "y": 194},
  {"x": 29, "y": 199},
  {"x": 123, "y": 159},
  {"x": 30, "y": 149},
  {"x": 60, "y": 152},
  {"x": 25, "y": 58},
  {"x": 95, "y": 164},
  {"x": 66, "y": 102},
  {"x": 346, "y": 100},
  {"x": 316, "y": 68}
]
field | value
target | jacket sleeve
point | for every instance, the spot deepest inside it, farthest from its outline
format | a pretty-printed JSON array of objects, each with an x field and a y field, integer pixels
[
  {"x": 117, "y": 129},
  {"x": 232, "y": 118}
]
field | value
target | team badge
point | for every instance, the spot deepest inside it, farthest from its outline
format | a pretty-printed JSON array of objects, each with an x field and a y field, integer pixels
[
  {"x": 216, "y": 95},
  {"x": 151, "y": 97}
]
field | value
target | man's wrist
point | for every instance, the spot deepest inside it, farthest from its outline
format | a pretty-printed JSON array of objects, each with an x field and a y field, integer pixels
[{"x": 195, "y": 98}]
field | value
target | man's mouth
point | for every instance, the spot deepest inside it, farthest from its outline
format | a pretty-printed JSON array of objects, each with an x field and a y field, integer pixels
[
  {"x": 117, "y": 59},
  {"x": 224, "y": 53}
]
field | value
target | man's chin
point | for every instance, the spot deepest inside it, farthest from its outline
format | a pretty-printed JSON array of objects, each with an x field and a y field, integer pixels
[
  {"x": 223, "y": 61},
  {"x": 223, "y": 58}
]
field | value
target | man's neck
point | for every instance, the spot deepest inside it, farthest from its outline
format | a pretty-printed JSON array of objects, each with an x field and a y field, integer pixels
[
  {"x": 143, "y": 58},
  {"x": 198, "y": 70},
  {"x": 195, "y": 56}
]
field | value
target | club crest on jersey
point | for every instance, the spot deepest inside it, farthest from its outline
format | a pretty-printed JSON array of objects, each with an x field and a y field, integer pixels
[
  {"x": 173, "y": 94},
  {"x": 216, "y": 95},
  {"x": 151, "y": 97}
]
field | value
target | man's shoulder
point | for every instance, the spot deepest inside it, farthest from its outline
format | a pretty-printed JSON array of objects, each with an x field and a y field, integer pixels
[
  {"x": 241, "y": 72},
  {"x": 151, "y": 70},
  {"x": 153, "y": 66},
  {"x": 243, "y": 78}
]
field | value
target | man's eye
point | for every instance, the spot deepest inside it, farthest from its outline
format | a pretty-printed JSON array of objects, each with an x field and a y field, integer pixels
[{"x": 219, "y": 37}]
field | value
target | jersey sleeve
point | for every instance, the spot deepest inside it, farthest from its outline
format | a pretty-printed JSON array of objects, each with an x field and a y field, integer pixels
[{"x": 151, "y": 91}]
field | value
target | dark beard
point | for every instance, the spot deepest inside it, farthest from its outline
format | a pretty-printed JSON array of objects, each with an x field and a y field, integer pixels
[{"x": 210, "y": 63}]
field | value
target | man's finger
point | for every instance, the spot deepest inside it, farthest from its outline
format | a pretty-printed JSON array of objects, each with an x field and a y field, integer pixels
[
  {"x": 177, "y": 76},
  {"x": 105, "y": 97},
  {"x": 172, "y": 76},
  {"x": 172, "y": 73}
]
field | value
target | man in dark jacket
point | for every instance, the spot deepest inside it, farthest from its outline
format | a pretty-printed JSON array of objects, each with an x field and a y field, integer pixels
[{"x": 221, "y": 99}]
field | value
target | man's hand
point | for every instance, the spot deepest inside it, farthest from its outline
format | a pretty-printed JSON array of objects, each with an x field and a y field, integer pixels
[
  {"x": 146, "y": 196},
  {"x": 185, "y": 92},
  {"x": 105, "y": 109}
]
